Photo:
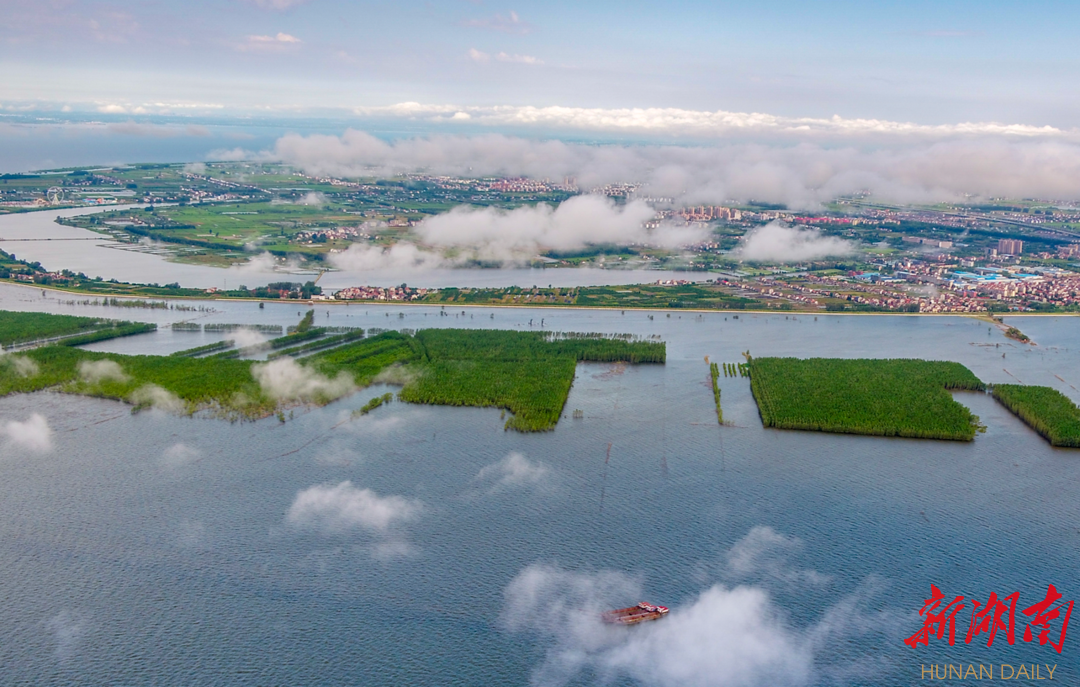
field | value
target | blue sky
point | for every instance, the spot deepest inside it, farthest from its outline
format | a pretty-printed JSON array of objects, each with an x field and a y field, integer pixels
[{"x": 924, "y": 62}]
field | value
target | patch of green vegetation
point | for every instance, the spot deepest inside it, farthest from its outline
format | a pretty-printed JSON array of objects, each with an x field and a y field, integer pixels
[
  {"x": 527, "y": 373},
  {"x": 24, "y": 327},
  {"x": 208, "y": 348},
  {"x": 901, "y": 398},
  {"x": 1017, "y": 335},
  {"x": 115, "y": 331},
  {"x": 714, "y": 372},
  {"x": 180, "y": 384},
  {"x": 325, "y": 342},
  {"x": 1048, "y": 411},
  {"x": 373, "y": 404}
]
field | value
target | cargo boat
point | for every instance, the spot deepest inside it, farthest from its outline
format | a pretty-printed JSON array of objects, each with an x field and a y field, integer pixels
[{"x": 634, "y": 614}]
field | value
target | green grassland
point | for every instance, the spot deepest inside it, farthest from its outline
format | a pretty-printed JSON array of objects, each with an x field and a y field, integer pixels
[
  {"x": 526, "y": 373},
  {"x": 1048, "y": 411},
  {"x": 901, "y": 398}
]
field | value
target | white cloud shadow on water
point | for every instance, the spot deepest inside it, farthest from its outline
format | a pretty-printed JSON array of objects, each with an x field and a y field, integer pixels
[
  {"x": 344, "y": 509},
  {"x": 777, "y": 242},
  {"x": 33, "y": 434}
]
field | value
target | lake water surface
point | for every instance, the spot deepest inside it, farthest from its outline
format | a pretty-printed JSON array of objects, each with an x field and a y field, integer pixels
[{"x": 154, "y": 550}]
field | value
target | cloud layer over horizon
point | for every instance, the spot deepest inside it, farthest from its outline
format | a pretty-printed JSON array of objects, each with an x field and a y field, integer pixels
[{"x": 802, "y": 175}]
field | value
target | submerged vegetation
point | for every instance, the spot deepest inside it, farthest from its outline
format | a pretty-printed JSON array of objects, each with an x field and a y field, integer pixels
[
  {"x": 1048, "y": 411},
  {"x": 526, "y": 373},
  {"x": 902, "y": 398}
]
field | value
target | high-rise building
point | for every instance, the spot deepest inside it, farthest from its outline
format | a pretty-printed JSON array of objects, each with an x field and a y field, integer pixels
[{"x": 1010, "y": 247}]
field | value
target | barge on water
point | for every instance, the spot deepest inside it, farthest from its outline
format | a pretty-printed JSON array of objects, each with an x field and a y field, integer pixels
[{"x": 634, "y": 614}]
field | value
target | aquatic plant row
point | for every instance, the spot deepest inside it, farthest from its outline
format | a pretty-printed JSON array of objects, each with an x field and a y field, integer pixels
[
  {"x": 901, "y": 398},
  {"x": 1048, "y": 411},
  {"x": 714, "y": 372}
]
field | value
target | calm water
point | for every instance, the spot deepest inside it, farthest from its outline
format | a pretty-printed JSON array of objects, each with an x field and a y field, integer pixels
[
  {"x": 149, "y": 549},
  {"x": 35, "y": 236}
]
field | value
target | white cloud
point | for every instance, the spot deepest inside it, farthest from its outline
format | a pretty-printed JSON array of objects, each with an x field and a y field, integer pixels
[
  {"x": 763, "y": 553},
  {"x": 287, "y": 380},
  {"x": 67, "y": 630},
  {"x": 96, "y": 371},
  {"x": 154, "y": 396},
  {"x": 276, "y": 5},
  {"x": 180, "y": 454},
  {"x": 246, "y": 338},
  {"x": 776, "y": 242},
  {"x": 20, "y": 365},
  {"x": 521, "y": 59},
  {"x": 401, "y": 256},
  {"x": 701, "y": 122},
  {"x": 195, "y": 168},
  {"x": 344, "y": 509},
  {"x": 914, "y": 168},
  {"x": 722, "y": 638},
  {"x": 497, "y": 234},
  {"x": 312, "y": 198},
  {"x": 514, "y": 471},
  {"x": 478, "y": 56},
  {"x": 33, "y": 435},
  {"x": 279, "y": 41},
  {"x": 510, "y": 23}
]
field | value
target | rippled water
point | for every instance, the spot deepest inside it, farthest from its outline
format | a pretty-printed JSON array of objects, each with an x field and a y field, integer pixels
[{"x": 149, "y": 549}]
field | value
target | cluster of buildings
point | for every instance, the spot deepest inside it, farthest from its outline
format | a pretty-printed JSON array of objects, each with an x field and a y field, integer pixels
[
  {"x": 335, "y": 233},
  {"x": 378, "y": 293},
  {"x": 934, "y": 243},
  {"x": 708, "y": 213}
]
